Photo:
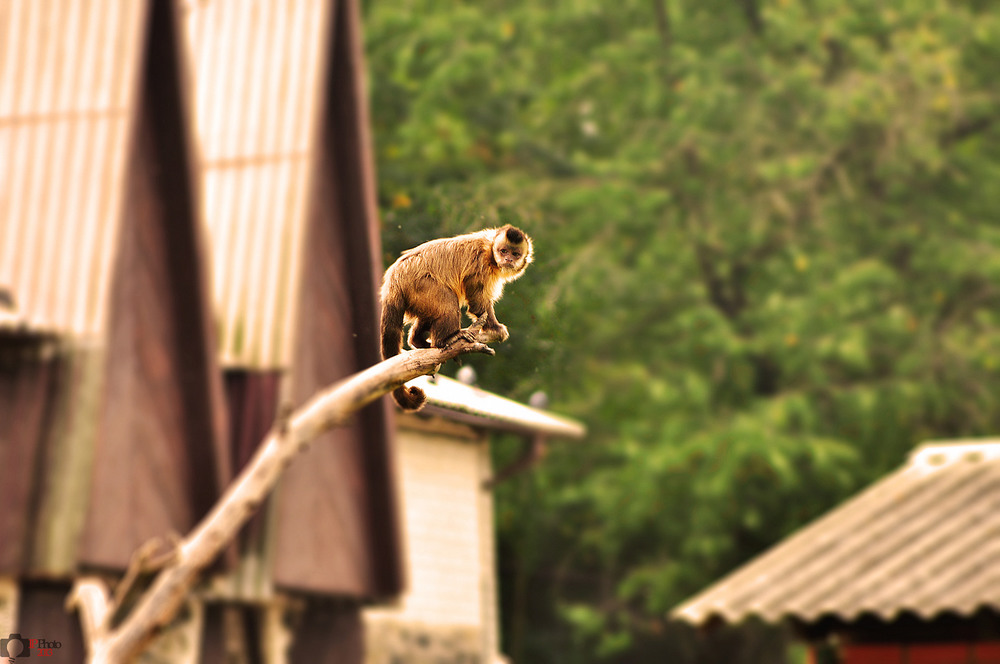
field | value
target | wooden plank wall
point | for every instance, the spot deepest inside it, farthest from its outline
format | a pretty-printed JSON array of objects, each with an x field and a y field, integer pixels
[
  {"x": 337, "y": 526},
  {"x": 160, "y": 461}
]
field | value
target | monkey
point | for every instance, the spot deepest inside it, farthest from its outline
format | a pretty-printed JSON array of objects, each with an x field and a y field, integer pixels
[{"x": 428, "y": 285}]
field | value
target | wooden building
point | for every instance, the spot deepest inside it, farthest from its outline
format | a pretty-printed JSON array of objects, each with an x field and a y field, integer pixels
[
  {"x": 906, "y": 572},
  {"x": 188, "y": 238}
]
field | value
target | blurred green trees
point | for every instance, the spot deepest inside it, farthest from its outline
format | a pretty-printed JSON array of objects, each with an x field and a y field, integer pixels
[{"x": 768, "y": 264}]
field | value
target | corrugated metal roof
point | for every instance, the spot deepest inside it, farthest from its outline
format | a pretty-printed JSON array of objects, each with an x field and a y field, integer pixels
[
  {"x": 257, "y": 71},
  {"x": 67, "y": 87},
  {"x": 925, "y": 539},
  {"x": 68, "y": 72},
  {"x": 454, "y": 400}
]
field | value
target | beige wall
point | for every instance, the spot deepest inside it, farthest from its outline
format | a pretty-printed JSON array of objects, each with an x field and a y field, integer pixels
[{"x": 448, "y": 545}]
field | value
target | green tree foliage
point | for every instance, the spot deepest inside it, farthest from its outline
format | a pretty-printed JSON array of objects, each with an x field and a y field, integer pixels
[{"x": 768, "y": 264}]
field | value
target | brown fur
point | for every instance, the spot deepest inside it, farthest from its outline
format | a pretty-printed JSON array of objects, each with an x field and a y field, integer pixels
[{"x": 428, "y": 285}]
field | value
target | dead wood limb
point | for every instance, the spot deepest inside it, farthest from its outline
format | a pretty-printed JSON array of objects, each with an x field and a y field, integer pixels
[
  {"x": 107, "y": 644},
  {"x": 91, "y": 597}
]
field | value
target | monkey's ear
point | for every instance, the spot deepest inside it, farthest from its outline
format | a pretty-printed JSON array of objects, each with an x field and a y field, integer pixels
[{"x": 514, "y": 236}]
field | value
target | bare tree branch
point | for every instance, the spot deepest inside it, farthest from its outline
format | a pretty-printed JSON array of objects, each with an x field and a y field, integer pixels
[
  {"x": 92, "y": 598},
  {"x": 113, "y": 644},
  {"x": 751, "y": 9}
]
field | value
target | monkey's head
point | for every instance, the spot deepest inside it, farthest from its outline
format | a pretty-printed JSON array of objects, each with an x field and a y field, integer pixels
[{"x": 511, "y": 250}]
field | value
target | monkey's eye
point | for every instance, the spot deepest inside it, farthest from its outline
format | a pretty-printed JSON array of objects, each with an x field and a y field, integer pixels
[{"x": 504, "y": 251}]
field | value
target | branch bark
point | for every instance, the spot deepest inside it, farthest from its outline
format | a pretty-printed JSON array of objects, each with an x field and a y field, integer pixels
[
  {"x": 663, "y": 22},
  {"x": 751, "y": 9},
  {"x": 113, "y": 644}
]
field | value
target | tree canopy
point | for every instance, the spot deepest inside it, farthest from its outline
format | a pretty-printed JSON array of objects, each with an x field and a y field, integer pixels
[{"x": 767, "y": 265}]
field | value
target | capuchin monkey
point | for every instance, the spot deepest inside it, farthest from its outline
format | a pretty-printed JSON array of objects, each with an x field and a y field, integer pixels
[{"x": 428, "y": 285}]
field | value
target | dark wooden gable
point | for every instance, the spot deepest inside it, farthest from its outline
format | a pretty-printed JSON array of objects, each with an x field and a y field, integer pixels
[
  {"x": 337, "y": 530},
  {"x": 29, "y": 385},
  {"x": 160, "y": 461}
]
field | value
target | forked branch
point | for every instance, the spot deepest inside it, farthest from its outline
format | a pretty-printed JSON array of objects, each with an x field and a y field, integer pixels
[{"x": 112, "y": 644}]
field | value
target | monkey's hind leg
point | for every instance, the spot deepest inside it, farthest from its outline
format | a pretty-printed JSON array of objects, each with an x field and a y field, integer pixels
[
  {"x": 437, "y": 314},
  {"x": 419, "y": 333},
  {"x": 445, "y": 340},
  {"x": 470, "y": 334}
]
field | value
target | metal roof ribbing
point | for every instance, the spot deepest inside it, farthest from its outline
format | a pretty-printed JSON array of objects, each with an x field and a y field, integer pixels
[
  {"x": 924, "y": 539},
  {"x": 258, "y": 86},
  {"x": 448, "y": 397},
  {"x": 68, "y": 74}
]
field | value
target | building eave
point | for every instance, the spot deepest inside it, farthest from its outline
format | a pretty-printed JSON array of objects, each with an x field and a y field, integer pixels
[{"x": 467, "y": 404}]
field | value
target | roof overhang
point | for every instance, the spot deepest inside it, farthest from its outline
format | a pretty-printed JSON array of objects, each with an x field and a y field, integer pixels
[{"x": 467, "y": 404}]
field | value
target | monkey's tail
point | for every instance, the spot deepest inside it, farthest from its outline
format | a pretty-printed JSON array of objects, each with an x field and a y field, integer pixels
[{"x": 408, "y": 398}]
